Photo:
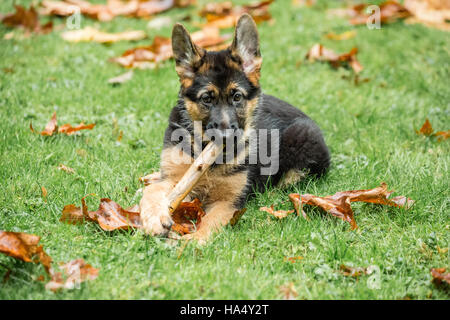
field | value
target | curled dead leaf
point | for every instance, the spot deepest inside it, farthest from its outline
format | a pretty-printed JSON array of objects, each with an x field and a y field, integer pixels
[
  {"x": 24, "y": 247},
  {"x": 440, "y": 276},
  {"x": 288, "y": 291},
  {"x": 52, "y": 127},
  {"x": 74, "y": 272},
  {"x": 27, "y": 19},
  {"x": 320, "y": 53},
  {"x": 224, "y": 15},
  {"x": 111, "y": 216},
  {"x": 95, "y": 35},
  {"x": 427, "y": 130},
  {"x": 354, "y": 272},
  {"x": 280, "y": 214},
  {"x": 65, "y": 169},
  {"x": 339, "y": 206}
]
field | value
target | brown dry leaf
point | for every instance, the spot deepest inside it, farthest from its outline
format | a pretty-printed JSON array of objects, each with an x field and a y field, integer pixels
[
  {"x": 280, "y": 214},
  {"x": 303, "y": 3},
  {"x": 52, "y": 127},
  {"x": 390, "y": 11},
  {"x": 224, "y": 15},
  {"x": 288, "y": 291},
  {"x": 75, "y": 272},
  {"x": 24, "y": 247},
  {"x": 65, "y": 168},
  {"x": 95, "y": 35},
  {"x": 341, "y": 36},
  {"x": 150, "y": 178},
  {"x": 111, "y": 216},
  {"x": 44, "y": 193},
  {"x": 427, "y": 130},
  {"x": 431, "y": 13},
  {"x": 354, "y": 272},
  {"x": 339, "y": 206},
  {"x": 161, "y": 49},
  {"x": 440, "y": 276},
  {"x": 113, "y": 8},
  {"x": 127, "y": 76},
  {"x": 320, "y": 53},
  {"x": 293, "y": 259},
  {"x": 27, "y": 19}
]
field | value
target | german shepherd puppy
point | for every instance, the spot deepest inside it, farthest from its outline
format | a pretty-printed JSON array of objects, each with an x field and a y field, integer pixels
[{"x": 220, "y": 90}]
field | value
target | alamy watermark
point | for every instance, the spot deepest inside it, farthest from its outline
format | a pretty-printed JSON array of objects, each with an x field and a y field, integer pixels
[{"x": 252, "y": 146}]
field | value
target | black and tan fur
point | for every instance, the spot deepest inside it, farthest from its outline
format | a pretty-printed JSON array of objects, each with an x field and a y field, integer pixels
[{"x": 221, "y": 89}]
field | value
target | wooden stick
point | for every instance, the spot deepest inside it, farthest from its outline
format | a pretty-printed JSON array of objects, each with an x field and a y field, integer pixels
[{"x": 193, "y": 174}]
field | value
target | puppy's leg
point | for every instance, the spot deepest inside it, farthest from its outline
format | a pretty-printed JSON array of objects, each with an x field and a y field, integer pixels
[
  {"x": 155, "y": 208},
  {"x": 217, "y": 216}
]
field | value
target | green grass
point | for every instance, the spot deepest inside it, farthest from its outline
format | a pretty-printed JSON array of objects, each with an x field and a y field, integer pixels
[{"x": 369, "y": 128}]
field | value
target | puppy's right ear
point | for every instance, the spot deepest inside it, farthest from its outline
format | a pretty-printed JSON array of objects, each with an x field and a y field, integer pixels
[{"x": 187, "y": 55}]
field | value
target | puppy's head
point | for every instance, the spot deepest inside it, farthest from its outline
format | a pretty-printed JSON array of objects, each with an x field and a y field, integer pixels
[{"x": 220, "y": 88}]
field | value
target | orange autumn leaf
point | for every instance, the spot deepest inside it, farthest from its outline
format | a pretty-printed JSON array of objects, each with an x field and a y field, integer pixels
[
  {"x": 431, "y": 13},
  {"x": 427, "y": 130},
  {"x": 440, "y": 276},
  {"x": 339, "y": 206},
  {"x": 65, "y": 168},
  {"x": 320, "y": 53},
  {"x": 288, "y": 291},
  {"x": 224, "y": 15},
  {"x": 111, "y": 216},
  {"x": 293, "y": 259},
  {"x": 280, "y": 214},
  {"x": 390, "y": 11},
  {"x": 112, "y": 8},
  {"x": 74, "y": 272},
  {"x": 27, "y": 19},
  {"x": 24, "y": 247},
  {"x": 161, "y": 49},
  {"x": 52, "y": 127},
  {"x": 354, "y": 272}
]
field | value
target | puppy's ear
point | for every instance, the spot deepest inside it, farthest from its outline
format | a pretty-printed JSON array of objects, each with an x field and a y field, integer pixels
[
  {"x": 187, "y": 55},
  {"x": 245, "y": 46}
]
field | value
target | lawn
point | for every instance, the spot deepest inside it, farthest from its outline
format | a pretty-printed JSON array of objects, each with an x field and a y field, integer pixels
[{"x": 370, "y": 129}]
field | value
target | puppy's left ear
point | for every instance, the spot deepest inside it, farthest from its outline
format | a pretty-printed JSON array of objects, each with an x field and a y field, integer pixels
[{"x": 245, "y": 47}]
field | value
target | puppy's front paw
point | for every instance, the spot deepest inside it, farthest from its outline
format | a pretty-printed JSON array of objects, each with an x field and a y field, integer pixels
[{"x": 155, "y": 216}]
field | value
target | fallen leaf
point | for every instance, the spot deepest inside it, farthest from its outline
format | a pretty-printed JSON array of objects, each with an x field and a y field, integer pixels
[
  {"x": 280, "y": 214},
  {"x": 75, "y": 272},
  {"x": 95, "y": 35},
  {"x": 161, "y": 49},
  {"x": 52, "y": 127},
  {"x": 431, "y": 13},
  {"x": 293, "y": 259},
  {"x": 354, "y": 272},
  {"x": 112, "y": 8},
  {"x": 111, "y": 216},
  {"x": 24, "y": 247},
  {"x": 44, "y": 193},
  {"x": 390, "y": 11},
  {"x": 27, "y": 19},
  {"x": 339, "y": 206},
  {"x": 288, "y": 291},
  {"x": 427, "y": 130},
  {"x": 224, "y": 15},
  {"x": 341, "y": 36},
  {"x": 127, "y": 76},
  {"x": 440, "y": 276},
  {"x": 66, "y": 169},
  {"x": 320, "y": 53},
  {"x": 159, "y": 22},
  {"x": 69, "y": 130}
]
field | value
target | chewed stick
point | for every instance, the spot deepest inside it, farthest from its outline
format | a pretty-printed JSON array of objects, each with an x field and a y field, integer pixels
[{"x": 193, "y": 174}]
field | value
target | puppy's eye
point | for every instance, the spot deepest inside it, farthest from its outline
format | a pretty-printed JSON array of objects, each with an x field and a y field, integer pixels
[
  {"x": 237, "y": 97},
  {"x": 206, "y": 98}
]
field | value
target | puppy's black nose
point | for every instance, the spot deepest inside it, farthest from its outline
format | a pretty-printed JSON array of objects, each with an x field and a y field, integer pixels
[{"x": 222, "y": 125}]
